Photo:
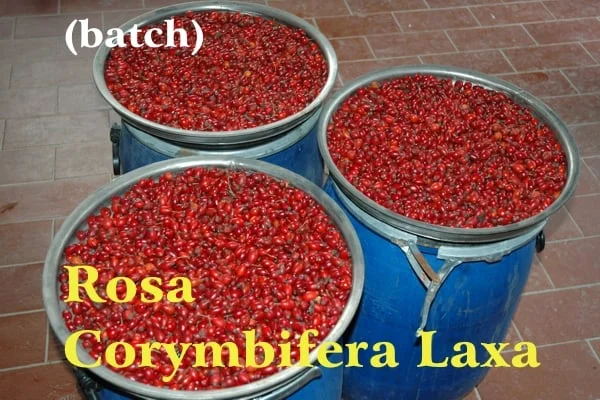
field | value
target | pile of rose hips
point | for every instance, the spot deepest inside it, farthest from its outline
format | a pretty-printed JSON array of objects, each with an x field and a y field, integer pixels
[
  {"x": 261, "y": 255},
  {"x": 249, "y": 72},
  {"x": 447, "y": 153}
]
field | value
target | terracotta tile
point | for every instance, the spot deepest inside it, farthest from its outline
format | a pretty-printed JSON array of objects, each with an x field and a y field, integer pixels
[
  {"x": 587, "y": 182},
  {"x": 574, "y": 8},
  {"x": 511, "y": 13},
  {"x": 537, "y": 278},
  {"x": 80, "y": 98},
  {"x": 593, "y": 48},
  {"x": 114, "y": 19},
  {"x": 410, "y": 44},
  {"x": 57, "y": 129},
  {"x": 574, "y": 262},
  {"x": 354, "y": 69},
  {"x": 491, "y": 37},
  {"x": 2, "y": 129},
  {"x": 21, "y": 288},
  {"x": 55, "y": 348},
  {"x": 51, "y": 73},
  {"x": 559, "y": 316},
  {"x": 5, "y": 70},
  {"x": 23, "y": 339},
  {"x": 75, "y": 6},
  {"x": 587, "y": 138},
  {"x": 427, "y": 20},
  {"x": 163, "y": 3},
  {"x": 596, "y": 346},
  {"x": 48, "y": 199},
  {"x": 585, "y": 79},
  {"x": 17, "y": 103},
  {"x": 554, "y": 56},
  {"x": 48, "y": 382},
  {"x": 81, "y": 159},
  {"x": 489, "y": 61},
  {"x": 6, "y": 28},
  {"x": 82, "y": 53},
  {"x": 576, "y": 109},
  {"x": 28, "y": 50},
  {"x": 57, "y": 224},
  {"x": 51, "y": 25},
  {"x": 567, "y": 371},
  {"x": 26, "y": 165},
  {"x": 24, "y": 7},
  {"x": 511, "y": 335},
  {"x": 312, "y": 8},
  {"x": 24, "y": 242},
  {"x": 372, "y": 6},
  {"x": 351, "y": 49},
  {"x": 585, "y": 213},
  {"x": 561, "y": 226},
  {"x": 357, "y": 25},
  {"x": 565, "y": 31},
  {"x": 551, "y": 83},
  {"x": 452, "y": 3}
]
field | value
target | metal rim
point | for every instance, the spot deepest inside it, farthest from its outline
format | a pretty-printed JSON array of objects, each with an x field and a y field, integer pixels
[
  {"x": 227, "y": 137},
  {"x": 260, "y": 150},
  {"x": 438, "y": 232},
  {"x": 77, "y": 219}
]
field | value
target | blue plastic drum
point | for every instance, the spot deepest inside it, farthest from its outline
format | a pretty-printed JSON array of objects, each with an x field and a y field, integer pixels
[
  {"x": 475, "y": 299},
  {"x": 296, "y": 150},
  {"x": 430, "y": 287}
]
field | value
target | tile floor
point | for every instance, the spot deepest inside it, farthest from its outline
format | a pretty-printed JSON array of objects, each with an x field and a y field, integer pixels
[{"x": 55, "y": 150}]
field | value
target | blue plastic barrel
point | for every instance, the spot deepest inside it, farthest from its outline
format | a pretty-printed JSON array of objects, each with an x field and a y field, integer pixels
[
  {"x": 296, "y": 150},
  {"x": 290, "y": 142},
  {"x": 475, "y": 303},
  {"x": 464, "y": 284}
]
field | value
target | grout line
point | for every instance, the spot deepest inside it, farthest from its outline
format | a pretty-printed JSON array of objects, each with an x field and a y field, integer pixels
[
  {"x": 421, "y": 60},
  {"x": 572, "y": 95},
  {"x": 397, "y": 22},
  {"x": 9, "y": 369},
  {"x": 53, "y": 227},
  {"x": 589, "y": 195},
  {"x": 10, "y": 75},
  {"x": 596, "y": 355},
  {"x": 369, "y": 46},
  {"x": 477, "y": 395},
  {"x": 549, "y": 12},
  {"x": 451, "y": 41},
  {"x": 14, "y": 314},
  {"x": 510, "y": 350},
  {"x": 20, "y": 264},
  {"x": 569, "y": 81},
  {"x": 587, "y": 52},
  {"x": 58, "y": 8},
  {"x": 573, "y": 239},
  {"x": 339, "y": 79},
  {"x": 512, "y": 322},
  {"x": 529, "y": 34},
  {"x": 479, "y": 24},
  {"x": 427, "y": 4},
  {"x": 562, "y": 289},
  {"x": 102, "y": 23},
  {"x": 545, "y": 271},
  {"x": 588, "y": 167},
  {"x": 47, "y": 341},
  {"x": 573, "y": 220},
  {"x": 348, "y": 7},
  {"x": 507, "y": 60}
]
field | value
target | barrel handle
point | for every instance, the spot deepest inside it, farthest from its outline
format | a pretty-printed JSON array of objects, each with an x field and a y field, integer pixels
[
  {"x": 292, "y": 387},
  {"x": 432, "y": 291},
  {"x": 417, "y": 261},
  {"x": 115, "y": 138}
]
